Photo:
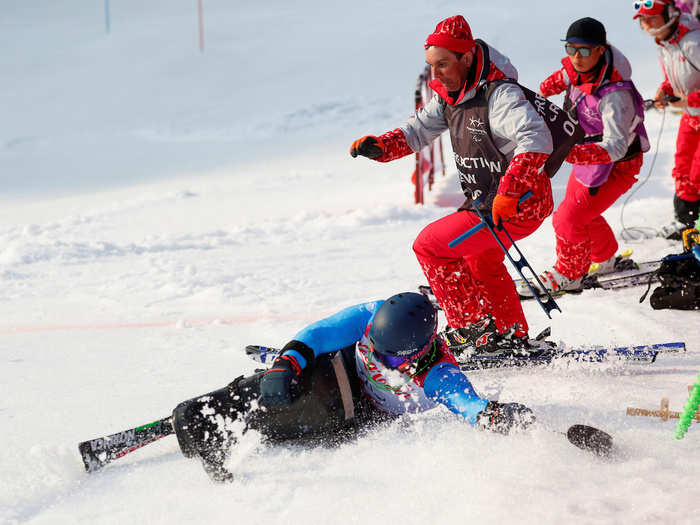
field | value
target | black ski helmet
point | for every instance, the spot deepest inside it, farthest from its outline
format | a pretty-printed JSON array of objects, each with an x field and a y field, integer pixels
[{"x": 404, "y": 325}]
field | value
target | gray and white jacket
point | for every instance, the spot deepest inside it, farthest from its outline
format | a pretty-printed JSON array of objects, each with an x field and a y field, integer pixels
[
  {"x": 680, "y": 59},
  {"x": 515, "y": 125}
]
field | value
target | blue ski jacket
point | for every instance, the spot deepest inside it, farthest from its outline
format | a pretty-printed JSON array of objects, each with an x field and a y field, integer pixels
[{"x": 443, "y": 383}]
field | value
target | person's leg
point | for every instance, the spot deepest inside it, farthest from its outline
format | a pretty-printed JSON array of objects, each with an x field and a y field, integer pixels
[
  {"x": 623, "y": 176},
  {"x": 455, "y": 274},
  {"x": 204, "y": 425},
  {"x": 208, "y": 426},
  {"x": 582, "y": 233},
  {"x": 488, "y": 268},
  {"x": 686, "y": 171},
  {"x": 461, "y": 297}
]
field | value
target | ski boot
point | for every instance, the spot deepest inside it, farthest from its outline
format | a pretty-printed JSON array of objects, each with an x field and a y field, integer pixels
[
  {"x": 504, "y": 417},
  {"x": 672, "y": 231},
  {"x": 554, "y": 282},
  {"x": 616, "y": 263},
  {"x": 686, "y": 213},
  {"x": 483, "y": 337}
]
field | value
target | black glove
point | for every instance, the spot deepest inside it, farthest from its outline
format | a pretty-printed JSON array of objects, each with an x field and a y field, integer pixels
[
  {"x": 593, "y": 191},
  {"x": 504, "y": 417},
  {"x": 368, "y": 146},
  {"x": 276, "y": 383}
]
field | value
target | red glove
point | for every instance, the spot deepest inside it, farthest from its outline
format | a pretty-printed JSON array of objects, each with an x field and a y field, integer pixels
[
  {"x": 553, "y": 85},
  {"x": 694, "y": 99},
  {"x": 503, "y": 208},
  {"x": 368, "y": 146}
]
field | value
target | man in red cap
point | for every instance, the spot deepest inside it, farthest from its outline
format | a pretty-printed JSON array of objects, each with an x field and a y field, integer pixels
[
  {"x": 506, "y": 141},
  {"x": 678, "y": 37}
]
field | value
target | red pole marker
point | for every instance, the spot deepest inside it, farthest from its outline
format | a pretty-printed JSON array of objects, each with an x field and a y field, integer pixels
[{"x": 200, "y": 11}]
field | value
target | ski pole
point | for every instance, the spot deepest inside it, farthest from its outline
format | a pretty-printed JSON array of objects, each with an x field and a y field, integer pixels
[{"x": 487, "y": 222}]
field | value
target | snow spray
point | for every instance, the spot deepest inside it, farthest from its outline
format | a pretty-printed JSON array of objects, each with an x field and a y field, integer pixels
[{"x": 691, "y": 406}]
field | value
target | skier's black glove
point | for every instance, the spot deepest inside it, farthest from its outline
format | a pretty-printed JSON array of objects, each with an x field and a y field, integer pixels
[
  {"x": 504, "y": 417},
  {"x": 368, "y": 146},
  {"x": 276, "y": 383},
  {"x": 593, "y": 191}
]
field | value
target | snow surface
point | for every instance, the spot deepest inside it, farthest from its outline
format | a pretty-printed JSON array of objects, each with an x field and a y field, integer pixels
[{"x": 161, "y": 208}]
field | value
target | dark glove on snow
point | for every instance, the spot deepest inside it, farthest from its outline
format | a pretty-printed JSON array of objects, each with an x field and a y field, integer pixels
[
  {"x": 504, "y": 417},
  {"x": 368, "y": 146},
  {"x": 276, "y": 383}
]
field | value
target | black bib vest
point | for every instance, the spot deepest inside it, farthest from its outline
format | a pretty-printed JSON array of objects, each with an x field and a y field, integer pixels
[{"x": 479, "y": 161}]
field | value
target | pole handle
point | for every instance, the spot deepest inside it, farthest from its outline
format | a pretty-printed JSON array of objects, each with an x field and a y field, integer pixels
[{"x": 484, "y": 221}]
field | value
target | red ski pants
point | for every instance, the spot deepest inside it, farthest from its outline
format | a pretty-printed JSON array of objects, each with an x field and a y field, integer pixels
[
  {"x": 583, "y": 235},
  {"x": 686, "y": 171},
  {"x": 471, "y": 281}
]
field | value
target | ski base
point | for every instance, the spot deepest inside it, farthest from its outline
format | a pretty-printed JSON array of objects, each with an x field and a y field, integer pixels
[
  {"x": 640, "y": 275},
  {"x": 96, "y": 453}
]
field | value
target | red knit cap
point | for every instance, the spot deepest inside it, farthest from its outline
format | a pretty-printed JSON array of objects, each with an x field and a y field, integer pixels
[{"x": 452, "y": 33}]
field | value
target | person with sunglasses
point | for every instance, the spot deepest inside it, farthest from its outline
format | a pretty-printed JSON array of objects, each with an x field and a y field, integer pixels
[
  {"x": 506, "y": 142},
  {"x": 339, "y": 377},
  {"x": 678, "y": 38},
  {"x": 596, "y": 79}
]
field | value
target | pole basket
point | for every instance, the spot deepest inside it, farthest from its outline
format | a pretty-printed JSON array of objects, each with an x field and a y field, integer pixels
[{"x": 426, "y": 159}]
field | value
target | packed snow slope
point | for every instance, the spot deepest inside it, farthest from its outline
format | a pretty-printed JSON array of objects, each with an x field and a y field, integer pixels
[{"x": 162, "y": 207}]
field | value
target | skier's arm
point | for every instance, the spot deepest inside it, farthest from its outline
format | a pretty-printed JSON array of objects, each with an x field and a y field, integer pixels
[
  {"x": 516, "y": 122},
  {"x": 618, "y": 114},
  {"x": 327, "y": 335},
  {"x": 418, "y": 132},
  {"x": 554, "y": 84},
  {"x": 691, "y": 50},
  {"x": 447, "y": 385},
  {"x": 338, "y": 331},
  {"x": 426, "y": 125}
]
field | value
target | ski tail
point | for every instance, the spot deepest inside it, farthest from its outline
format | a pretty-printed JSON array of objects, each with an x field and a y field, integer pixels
[
  {"x": 96, "y": 453},
  {"x": 428, "y": 292},
  {"x": 262, "y": 354},
  {"x": 591, "y": 439}
]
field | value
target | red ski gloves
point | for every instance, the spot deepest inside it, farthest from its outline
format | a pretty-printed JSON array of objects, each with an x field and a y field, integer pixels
[
  {"x": 664, "y": 88},
  {"x": 694, "y": 99},
  {"x": 554, "y": 84},
  {"x": 368, "y": 146},
  {"x": 390, "y": 146},
  {"x": 586, "y": 154},
  {"x": 504, "y": 208},
  {"x": 521, "y": 176}
]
